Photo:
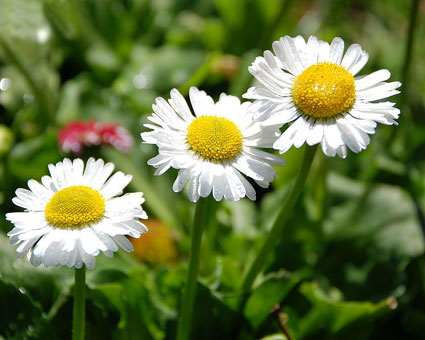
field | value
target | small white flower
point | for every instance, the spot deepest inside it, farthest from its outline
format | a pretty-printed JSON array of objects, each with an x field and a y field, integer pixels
[
  {"x": 312, "y": 85},
  {"x": 213, "y": 147},
  {"x": 74, "y": 214}
]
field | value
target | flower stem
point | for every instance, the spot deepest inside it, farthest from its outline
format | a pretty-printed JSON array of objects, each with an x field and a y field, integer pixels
[
  {"x": 403, "y": 135},
  {"x": 280, "y": 222},
  {"x": 408, "y": 52},
  {"x": 79, "y": 304},
  {"x": 186, "y": 312}
]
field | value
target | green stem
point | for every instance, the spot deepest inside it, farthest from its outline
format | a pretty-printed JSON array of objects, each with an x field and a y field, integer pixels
[
  {"x": 79, "y": 304},
  {"x": 280, "y": 222},
  {"x": 414, "y": 10},
  {"x": 186, "y": 312},
  {"x": 403, "y": 135}
]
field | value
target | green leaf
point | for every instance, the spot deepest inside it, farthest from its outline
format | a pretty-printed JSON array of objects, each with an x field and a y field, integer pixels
[
  {"x": 275, "y": 337},
  {"x": 212, "y": 317},
  {"x": 271, "y": 291},
  {"x": 40, "y": 284},
  {"x": 142, "y": 313},
  {"x": 384, "y": 217},
  {"x": 341, "y": 319},
  {"x": 38, "y": 151}
]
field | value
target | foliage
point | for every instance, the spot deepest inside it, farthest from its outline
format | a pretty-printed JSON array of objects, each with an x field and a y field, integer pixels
[{"x": 350, "y": 264}]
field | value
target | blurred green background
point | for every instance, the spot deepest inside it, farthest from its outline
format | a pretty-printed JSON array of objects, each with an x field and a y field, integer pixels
[{"x": 350, "y": 264}]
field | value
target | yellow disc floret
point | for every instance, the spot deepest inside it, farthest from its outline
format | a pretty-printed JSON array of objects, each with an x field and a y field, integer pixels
[
  {"x": 324, "y": 90},
  {"x": 215, "y": 139},
  {"x": 75, "y": 207}
]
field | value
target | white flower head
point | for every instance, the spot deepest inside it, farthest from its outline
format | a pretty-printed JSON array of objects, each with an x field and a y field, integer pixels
[
  {"x": 76, "y": 213},
  {"x": 313, "y": 85},
  {"x": 213, "y": 147}
]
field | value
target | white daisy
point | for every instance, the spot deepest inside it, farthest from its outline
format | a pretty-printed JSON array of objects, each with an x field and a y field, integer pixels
[
  {"x": 213, "y": 147},
  {"x": 312, "y": 85},
  {"x": 74, "y": 214}
]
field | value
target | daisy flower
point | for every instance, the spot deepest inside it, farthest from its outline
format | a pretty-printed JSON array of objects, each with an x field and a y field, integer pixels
[
  {"x": 76, "y": 213},
  {"x": 213, "y": 147},
  {"x": 313, "y": 85}
]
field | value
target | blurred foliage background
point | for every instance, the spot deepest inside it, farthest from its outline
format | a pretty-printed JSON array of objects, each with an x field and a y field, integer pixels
[{"x": 350, "y": 264}]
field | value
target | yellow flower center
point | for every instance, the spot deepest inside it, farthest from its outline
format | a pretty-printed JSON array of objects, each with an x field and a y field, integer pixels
[
  {"x": 216, "y": 139},
  {"x": 324, "y": 90},
  {"x": 75, "y": 207}
]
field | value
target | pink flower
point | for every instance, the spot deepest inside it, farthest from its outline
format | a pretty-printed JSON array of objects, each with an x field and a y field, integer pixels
[{"x": 75, "y": 135}]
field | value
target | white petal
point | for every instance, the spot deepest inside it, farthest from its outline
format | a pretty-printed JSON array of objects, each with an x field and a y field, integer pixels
[
  {"x": 128, "y": 201},
  {"x": 92, "y": 169},
  {"x": 302, "y": 133},
  {"x": 205, "y": 182},
  {"x": 302, "y": 51},
  {"x": 193, "y": 189},
  {"x": 162, "y": 168},
  {"x": 40, "y": 190},
  {"x": 78, "y": 262},
  {"x": 236, "y": 186},
  {"x": 49, "y": 184},
  {"x": 341, "y": 151},
  {"x": 24, "y": 221},
  {"x": 272, "y": 62},
  {"x": 351, "y": 56},
  {"x": 89, "y": 260},
  {"x": 115, "y": 185},
  {"x": 218, "y": 185},
  {"x": 67, "y": 172},
  {"x": 265, "y": 156},
  {"x": 332, "y": 135},
  {"x": 324, "y": 50},
  {"x": 267, "y": 79},
  {"x": 123, "y": 242},
  {"x": 313, "y": 48},
  {"x": 360, "y": 63},
  {"x": 102, "y": 175},
  {"x": 167, "y": 114},
  {"x": 136, "y": 228},
  {"x": 180, "y": 106},
  {"x": 107, "y": 241},
  {"x": 57, "y": 175},
  {"x": 286, "y": 140},
  {"x": 365, "y": 125},
  {"x": 382, "y": 90},
  {"x": 90, "y": 242},
  {"x": 372, "y": 79},
  {"x": 336, "y": 50},
  {"x": 228, "y": 193},
  {"x": 286, "y": 51},
  {"x": 77, "y": 169},
  {"x": 356, "y": 140},
  {"x": 28, "y": 200},
  {"x": 249, "y": 189},
  {"x": 380, "y": 117},
  {"x": 315, "y": 134},
  {"x": 181, "y": 180},
  {"x": 332, "y": 139},
  {"x": 202, "y": 103}
]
